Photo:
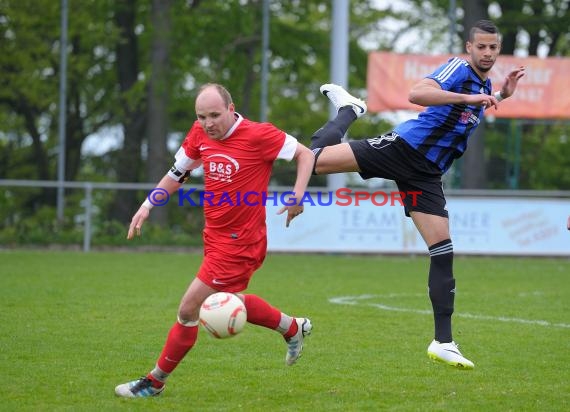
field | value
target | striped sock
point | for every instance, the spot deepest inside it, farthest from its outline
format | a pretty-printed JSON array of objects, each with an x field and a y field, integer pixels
[{"x": 441, "y": 286}]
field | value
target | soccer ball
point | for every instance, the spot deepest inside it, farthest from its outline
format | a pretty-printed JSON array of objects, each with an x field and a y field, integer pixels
[{"x": 223, "y": 315}]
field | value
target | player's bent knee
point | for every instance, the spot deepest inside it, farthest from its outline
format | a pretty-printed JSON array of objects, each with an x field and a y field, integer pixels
[
  {"x": 188, "y": 317},
  {"x": 335, "y": 159}
]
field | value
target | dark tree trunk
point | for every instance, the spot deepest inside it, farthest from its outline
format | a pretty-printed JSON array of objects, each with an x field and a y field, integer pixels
[
  {"x": 129, "y": 158},
  {"x": 158, "y": 158}
]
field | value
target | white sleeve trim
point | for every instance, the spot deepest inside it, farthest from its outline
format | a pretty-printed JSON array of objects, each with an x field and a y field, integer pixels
[
  {"x": 183, "y": 162},
  {"x": 289, "y": 148}
]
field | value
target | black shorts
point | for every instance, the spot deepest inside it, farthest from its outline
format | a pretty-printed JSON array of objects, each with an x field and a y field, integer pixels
[{"x": 388, "y": 156}]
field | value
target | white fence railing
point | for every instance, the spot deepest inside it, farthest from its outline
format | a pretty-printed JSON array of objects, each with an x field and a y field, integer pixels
[{"x": 547, "y": 208}]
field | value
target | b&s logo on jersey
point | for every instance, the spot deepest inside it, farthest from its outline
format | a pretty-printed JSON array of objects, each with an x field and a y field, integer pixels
[{"x": 221, "y": 167}]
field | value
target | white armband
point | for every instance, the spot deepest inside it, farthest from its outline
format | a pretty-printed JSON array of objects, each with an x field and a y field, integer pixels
[
  {"x": 178, "y": 175},
  {"x": 499, "y": 96}
]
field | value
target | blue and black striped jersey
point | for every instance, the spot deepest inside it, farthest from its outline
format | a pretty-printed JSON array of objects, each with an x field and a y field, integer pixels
[{"x": 440, "y": 133}]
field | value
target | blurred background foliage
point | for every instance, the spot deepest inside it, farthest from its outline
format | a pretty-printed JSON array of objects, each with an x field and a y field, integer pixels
[{"x": 134, "y": 67}]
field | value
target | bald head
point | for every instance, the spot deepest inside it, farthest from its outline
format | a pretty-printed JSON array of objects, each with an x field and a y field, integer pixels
[
  {"x": 215, "y": 110},
  {"x": 218, "y": 88}
]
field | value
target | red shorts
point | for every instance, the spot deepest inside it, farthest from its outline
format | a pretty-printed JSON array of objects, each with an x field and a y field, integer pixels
[{"x": 228, "y": 268}]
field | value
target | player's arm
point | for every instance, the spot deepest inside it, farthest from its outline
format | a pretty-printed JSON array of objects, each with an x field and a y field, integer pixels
[
  {"x": 510, "y": 84},
  {"x": 305, "y": 159},
  {"x": 568, "y": 223},
  {"x": 428, "y": 92},
  {"x": 169, "y": 184}
]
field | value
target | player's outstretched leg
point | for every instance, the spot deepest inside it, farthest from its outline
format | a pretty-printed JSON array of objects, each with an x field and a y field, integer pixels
[
  {"x": 449, "y": 354},
  {"x": 349, "y": 109},
  {"x": 293, "y": 330},
  {"x": 295, "y": 343}
]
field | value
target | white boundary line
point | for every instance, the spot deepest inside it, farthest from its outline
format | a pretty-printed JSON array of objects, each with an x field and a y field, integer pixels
[{"x": 357, "y": 300}]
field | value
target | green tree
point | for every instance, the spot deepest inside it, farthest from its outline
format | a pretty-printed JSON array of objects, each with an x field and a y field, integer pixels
[
  {"x": 30, "y": 81},
  {"x": 544, "y": 24},
  {"x": 537, "y": 157},
  {"x": 137, "y": 65}
]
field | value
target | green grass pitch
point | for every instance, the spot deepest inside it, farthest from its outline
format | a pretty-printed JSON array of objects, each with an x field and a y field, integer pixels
[{"x": 74, "y": 325}]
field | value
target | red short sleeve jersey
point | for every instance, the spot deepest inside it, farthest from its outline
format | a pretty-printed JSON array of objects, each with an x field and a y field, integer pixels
[{"x": 236, "y": 175}]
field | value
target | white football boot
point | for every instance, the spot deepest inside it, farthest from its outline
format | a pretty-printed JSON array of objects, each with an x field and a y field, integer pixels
[
  {"x": 341, "y": 98},
  {"x": 449, "y": 353},
  {"x": 140, "y": 388},
  {"x": 295, "y": 343}
]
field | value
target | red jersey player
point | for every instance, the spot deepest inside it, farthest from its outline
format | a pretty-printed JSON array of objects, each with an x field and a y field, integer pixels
[{"x": 237, "y": 155}]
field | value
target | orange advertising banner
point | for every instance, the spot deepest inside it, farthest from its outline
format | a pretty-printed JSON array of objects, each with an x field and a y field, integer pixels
[{"x": 543, "y": 93}]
